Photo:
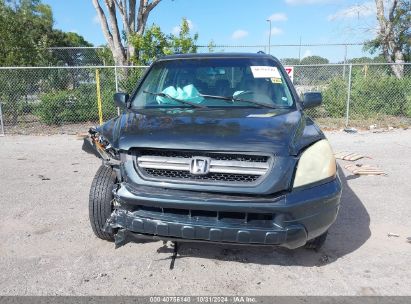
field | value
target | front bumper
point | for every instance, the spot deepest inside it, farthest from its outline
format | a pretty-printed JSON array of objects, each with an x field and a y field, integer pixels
[{"x": 288, "y": 220}]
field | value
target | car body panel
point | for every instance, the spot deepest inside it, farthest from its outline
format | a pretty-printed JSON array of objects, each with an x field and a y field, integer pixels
[
  {"x": 297, "y": 216},
  {"x": 284, "y": 132}
]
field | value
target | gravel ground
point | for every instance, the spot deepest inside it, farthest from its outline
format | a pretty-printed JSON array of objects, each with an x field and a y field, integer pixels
[{"x": 48, "y": 248}]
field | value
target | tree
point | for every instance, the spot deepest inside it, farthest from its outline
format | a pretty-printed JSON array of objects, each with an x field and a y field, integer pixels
[
  {"x": 134, "y": 19},
  {"x": 154, "y": 43},
  {"x": 68, "y": 39},
  {"x": 314, "y": 60},
  {"x": 26, "y": 33},
  {"x": 68, "y": 51},
  {"x": 211, "y": 46},
  {"x": 308, "y": 74},
  {"x": 394, "y": 34},
  {"x": 183, "y": 43},
  {"x": 290, "y": 61},
  {"x": 25, "y": 30}
]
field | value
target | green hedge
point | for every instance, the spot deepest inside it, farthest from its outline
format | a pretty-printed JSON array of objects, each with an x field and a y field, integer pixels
[
  {"x": 76, "y": 105},
  {"x": 370, "y": 96}
]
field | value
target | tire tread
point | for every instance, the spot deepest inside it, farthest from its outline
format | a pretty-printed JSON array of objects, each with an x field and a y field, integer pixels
[{"x": 100, "y": 198}]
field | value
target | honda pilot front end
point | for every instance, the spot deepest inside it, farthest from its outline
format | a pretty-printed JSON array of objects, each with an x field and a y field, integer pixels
[{"x": 214, "y": 148}]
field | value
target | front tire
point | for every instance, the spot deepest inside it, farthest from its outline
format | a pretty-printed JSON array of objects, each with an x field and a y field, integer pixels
[
  {"x": 100, "y": 201},
  {"x": 317, "y": 243}
]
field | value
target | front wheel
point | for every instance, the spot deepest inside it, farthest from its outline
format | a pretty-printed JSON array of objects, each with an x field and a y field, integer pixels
[
  {"x": 100, "y": 201},
  {"x": 317, "y": 243}
]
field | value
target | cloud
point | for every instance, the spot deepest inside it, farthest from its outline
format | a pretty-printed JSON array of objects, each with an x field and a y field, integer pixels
[
  {"x": 278, "y": 17},
  {"x": 307, "y": 53},
  {"x": 276, "y": 31},
  {"x": 190, "y": 24},
  {"x": 177, "y": 28},
  {"x": 239, "y": 34},
  {"x": 309, "y": 2},
  {"x": 96, "y": 19},
  {"x": 355, "y": 11}
]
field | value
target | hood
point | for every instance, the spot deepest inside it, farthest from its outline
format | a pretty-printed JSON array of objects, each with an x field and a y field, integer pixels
[{"x": 282, "y": 131}]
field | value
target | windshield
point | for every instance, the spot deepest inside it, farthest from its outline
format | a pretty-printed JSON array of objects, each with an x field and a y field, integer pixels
[{"x": 214, "y": 82}]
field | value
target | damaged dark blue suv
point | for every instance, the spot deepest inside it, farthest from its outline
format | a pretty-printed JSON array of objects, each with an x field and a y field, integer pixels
[{"x": 214, "y": 147}]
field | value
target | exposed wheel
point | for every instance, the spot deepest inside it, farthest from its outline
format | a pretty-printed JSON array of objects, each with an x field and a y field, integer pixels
[
  {"x": 317, "y": 243},
  {"x": 100, "y": 201}
]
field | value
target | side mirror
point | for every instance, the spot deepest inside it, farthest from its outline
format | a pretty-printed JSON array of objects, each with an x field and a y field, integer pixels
[
  {"x": 312, "y": 100},
  {"x": 121, "y": 100}
]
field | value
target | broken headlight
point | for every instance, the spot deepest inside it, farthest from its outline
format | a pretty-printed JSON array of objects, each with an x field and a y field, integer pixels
[
  {"x": 103, "y": 146},
  {"x": 316, "y": 163}
]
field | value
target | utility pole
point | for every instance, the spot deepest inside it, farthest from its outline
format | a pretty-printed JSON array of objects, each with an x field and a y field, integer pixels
[{"x": 269, "y": 37}]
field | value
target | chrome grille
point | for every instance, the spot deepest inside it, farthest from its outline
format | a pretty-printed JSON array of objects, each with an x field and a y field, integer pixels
[
  {"x": 233, "y": 168},
  {"x": 175, "y": 174}
]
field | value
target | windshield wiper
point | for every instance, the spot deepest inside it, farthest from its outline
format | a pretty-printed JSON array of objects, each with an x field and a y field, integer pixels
[
  {"x": 161, "y": 94},
  {"x": 232, "y": 99}
]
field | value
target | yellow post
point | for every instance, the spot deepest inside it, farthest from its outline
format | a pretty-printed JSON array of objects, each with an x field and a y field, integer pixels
[{"x": 100, "y": 109}]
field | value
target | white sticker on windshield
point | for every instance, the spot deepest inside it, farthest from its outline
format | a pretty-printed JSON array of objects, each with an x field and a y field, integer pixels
[{"x": 262, "y": 71}]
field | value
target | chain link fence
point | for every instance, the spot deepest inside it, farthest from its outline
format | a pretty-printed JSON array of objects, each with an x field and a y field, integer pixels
[
  {"x": 45, "y": 100},
  {"x": 64, "y": 99},
  {"x": 358, "y": 95},
  {"x": 288, "y": 53}
]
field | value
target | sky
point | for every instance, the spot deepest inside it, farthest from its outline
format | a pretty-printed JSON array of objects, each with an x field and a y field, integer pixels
[{"x": 244, "y": 22}]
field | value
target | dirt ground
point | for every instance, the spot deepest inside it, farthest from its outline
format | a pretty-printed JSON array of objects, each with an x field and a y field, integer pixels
[{"x": 48, "y": 248}]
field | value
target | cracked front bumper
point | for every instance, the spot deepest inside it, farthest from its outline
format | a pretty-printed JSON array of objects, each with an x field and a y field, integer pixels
[{"x": 287, "y": 220}]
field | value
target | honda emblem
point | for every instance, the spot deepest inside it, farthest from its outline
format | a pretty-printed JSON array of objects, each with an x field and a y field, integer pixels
[{"x": 200, "y": 165}]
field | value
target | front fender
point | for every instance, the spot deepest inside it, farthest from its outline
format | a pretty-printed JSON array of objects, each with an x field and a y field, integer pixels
[{"x": 98, "y": 146}]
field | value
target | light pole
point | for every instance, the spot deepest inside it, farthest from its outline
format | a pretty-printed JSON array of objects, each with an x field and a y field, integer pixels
[{"x": 269, "y": 38}]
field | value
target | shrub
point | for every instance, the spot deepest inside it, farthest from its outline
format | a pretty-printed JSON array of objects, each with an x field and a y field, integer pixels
[
  {"x": 335, "y": 97},
  {"x": 51, "y": 108},
  {"x": 371, "y": 96},
  {"x": 77, "y": 105},
  {"x": 380, "y": 95}
]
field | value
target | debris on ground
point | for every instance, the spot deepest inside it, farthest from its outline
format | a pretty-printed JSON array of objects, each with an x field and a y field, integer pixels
[
  {"x": 382, "y": 130},
  {"x": 351, "y": 130},
  {"x": 359, "y": 169},
  {"x": 174, "y": 256},
  {"x": 409, "y": 239},
  {"x": 324, "y": 259},
  {"x": 390, "y": 234},
  {"x": 350, "y": 156},
  {"x": 42, "y": 177}
]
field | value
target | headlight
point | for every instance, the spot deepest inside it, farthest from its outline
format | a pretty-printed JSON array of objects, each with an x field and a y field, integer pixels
[{"x": 315, "y": 164}]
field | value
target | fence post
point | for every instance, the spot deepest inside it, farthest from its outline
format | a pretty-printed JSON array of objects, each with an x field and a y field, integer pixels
[
  {"x": 345, "y": 61},
  {"x": 1, "y": 121},
  {"x": 100, "y": 108},
  {"x": 116, "y": 78},
  {"x": 347, "y": 113}
]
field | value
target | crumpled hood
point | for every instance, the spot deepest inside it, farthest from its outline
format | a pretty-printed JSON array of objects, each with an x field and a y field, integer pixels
[{"x": 282, "y": 131}]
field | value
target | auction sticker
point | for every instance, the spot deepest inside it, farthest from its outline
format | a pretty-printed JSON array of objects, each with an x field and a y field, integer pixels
[
  {"x": 276, "y": 80},
  {"x": 262, "y": 71}
]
